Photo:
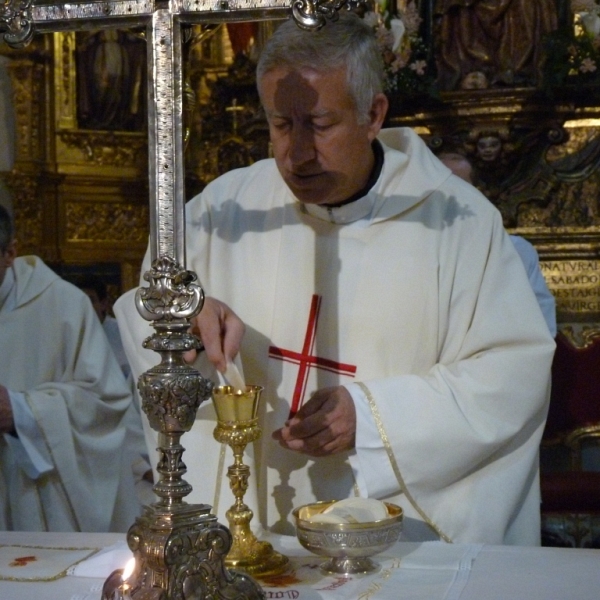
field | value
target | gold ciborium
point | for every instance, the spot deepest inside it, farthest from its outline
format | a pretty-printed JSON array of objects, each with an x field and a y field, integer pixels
[{"x": 237, "y": 426}]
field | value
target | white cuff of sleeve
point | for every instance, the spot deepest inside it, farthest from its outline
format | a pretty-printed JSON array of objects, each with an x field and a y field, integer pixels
[
  {"x": 373, "y": 472},
  {"x": 29, "y": 447}
]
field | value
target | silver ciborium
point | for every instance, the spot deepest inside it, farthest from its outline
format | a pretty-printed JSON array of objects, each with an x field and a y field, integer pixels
[
  {"x": 348, "y": 546},
  {"x": 237, "y": 426}
]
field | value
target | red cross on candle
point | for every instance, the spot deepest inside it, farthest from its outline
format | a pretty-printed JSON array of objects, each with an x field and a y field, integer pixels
[{"x": 305, "y": 359}]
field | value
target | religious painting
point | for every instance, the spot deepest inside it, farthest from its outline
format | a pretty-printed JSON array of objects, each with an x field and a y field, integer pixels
[
  {"x": 111, "y": 80},
  {"x": 491, "y": 44},
  {"x": 433, "y": 46}
]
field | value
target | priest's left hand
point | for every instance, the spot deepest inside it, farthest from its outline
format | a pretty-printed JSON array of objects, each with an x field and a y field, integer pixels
[{"x": 325, "y": 425}]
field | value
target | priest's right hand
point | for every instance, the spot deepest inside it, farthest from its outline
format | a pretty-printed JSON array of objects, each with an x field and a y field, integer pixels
[
  {"x": 7, "y": 424},
  {"x": 221, "y": 332}
]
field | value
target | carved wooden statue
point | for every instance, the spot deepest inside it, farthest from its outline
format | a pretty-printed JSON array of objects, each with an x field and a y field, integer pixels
[{"x": 499, "y": 39}]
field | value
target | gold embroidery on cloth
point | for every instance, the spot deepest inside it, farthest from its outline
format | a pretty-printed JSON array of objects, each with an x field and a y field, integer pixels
[
  {"x": 40, "y": 481},
  {"x": 384, "y": 574},
  {"x": 59, "y": 575},
  {"x": 395, "y": 467}
]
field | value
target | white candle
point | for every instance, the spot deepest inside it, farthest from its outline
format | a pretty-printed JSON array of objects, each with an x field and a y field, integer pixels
[
  {"x": 234, "y": 378},
  {"x": 125, "y": 587}
]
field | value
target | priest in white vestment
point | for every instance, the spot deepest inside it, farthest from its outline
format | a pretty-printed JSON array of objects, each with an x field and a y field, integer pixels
[
  {"x": 385, "y": 307},
  {"x": 70, "y": 436},
  {"x": 460, "y": 165}
]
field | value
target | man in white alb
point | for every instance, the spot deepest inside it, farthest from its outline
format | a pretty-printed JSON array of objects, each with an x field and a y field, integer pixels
[
  {"x": 385, "y": 309},
  {"x": 70, "y": 437}
]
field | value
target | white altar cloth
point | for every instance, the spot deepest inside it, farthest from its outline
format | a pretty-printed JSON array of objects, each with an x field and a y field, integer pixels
[{"x": 410, "y": 571}]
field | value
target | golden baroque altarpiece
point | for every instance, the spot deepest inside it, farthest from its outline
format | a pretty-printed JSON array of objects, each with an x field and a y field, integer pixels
[{"x": 80, "y": 181}]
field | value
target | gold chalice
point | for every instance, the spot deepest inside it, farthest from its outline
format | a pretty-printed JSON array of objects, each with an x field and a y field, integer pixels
[{"x": 237, "y": 426}]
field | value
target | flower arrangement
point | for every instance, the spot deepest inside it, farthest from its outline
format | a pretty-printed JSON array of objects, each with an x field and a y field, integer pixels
[
  {"x": 574, "y": 55},
  {"x": 408, "y": 67}
]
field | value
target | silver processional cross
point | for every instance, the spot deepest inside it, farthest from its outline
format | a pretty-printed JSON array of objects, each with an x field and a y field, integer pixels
[{"x": 179, "y": 547}]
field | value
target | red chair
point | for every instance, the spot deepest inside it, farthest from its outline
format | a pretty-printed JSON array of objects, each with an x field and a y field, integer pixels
[{"x": 570, "y": 493}]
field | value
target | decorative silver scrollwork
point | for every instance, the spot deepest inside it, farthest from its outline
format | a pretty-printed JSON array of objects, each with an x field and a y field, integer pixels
[
  {"x": 16, "y": 22},
  {"x": 172, "y": 294},
  {"x": 313, "y": 14}
]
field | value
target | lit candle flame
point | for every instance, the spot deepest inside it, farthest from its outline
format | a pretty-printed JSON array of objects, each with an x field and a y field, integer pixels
[{"x": 128, "y": 570}]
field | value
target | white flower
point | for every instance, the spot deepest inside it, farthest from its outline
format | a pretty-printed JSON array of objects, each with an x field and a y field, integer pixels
[
  {"x": 411, "y": 18},
  {"x": 587, "y": 65},
  {"x": 371, "y": 18},
  {"x": 418, "y": 67},
  {"x": 591, "y": 23},
  {"x": 397, "y": 28}
]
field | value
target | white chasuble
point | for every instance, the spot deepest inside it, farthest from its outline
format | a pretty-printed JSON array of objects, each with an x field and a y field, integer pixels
[
  {"x": 56, "y": 354},
  {"x": 415, "y": 299}
]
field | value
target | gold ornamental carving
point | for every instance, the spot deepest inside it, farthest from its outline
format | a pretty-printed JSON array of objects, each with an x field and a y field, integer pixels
[
  {"x": 65, "y": 80},
  {"x": 90, "y": 221},
  {"x": 537, "y": 160},
  {"x": 29, "y": 221},
  {"x": 108, "y": 148},
  {"x": 581, "y": 337},
  {"x": 27, "y": 78}
]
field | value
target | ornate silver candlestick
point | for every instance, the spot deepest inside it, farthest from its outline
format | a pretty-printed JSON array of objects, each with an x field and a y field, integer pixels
[{"x": 179, "y": 548}]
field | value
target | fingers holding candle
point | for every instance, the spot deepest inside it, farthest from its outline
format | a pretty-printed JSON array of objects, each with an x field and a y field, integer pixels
[{"x": 221, "y": 332}]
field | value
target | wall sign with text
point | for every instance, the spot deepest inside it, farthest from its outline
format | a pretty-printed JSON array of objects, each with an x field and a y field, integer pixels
[{"x": 576, "y": 287}]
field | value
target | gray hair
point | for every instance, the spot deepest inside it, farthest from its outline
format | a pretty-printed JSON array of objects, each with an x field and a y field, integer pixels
[
  {"x": 7, "y": 230},
  {"x": 347, "y": 42}
]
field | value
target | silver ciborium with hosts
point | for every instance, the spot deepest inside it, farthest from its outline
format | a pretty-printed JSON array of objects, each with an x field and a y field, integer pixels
[{"x": 348, "y": 546}]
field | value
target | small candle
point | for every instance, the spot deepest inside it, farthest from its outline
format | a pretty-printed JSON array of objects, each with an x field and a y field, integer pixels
[
  {"x": 234, "y": 378},
  {"x": 125, "y": 587}
]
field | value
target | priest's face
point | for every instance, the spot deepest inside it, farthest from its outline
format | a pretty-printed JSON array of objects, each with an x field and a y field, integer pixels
[{"x": 322, "y": 151}]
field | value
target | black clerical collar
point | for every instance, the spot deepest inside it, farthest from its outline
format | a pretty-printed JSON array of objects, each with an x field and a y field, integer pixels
[{"x": 373, "y": 177}]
